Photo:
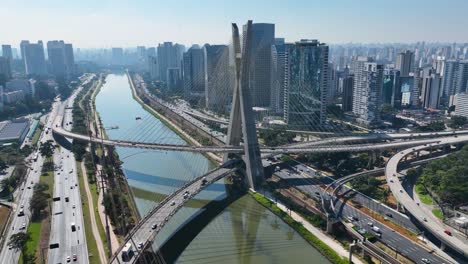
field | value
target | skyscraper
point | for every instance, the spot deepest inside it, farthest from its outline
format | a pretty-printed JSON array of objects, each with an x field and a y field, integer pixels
[
  {"x": 405, "y": 62},
  {"x": 431, "y": 90},
  {"x": 217, "y": 78},
  {"x": 117, "y": 56},
  {"x": 194, "y": 72},
  {"x": 5, "y": 68},
  {"x": 153, "y": 67},
  {"x": 7, "y": 53},
  {"x": 306, "y": 87},
  {"x": 278, "y": 75},
  {"x": 169, "y": 56},
  {"x": 348, "y": 82},
  {"x": 33, "y": 57},
  {"x": 455, "y": 77},
  {"x": 367, "y": 96},
  {"x": 263, "y": 37},
  {"x": 61, "y": 58}
]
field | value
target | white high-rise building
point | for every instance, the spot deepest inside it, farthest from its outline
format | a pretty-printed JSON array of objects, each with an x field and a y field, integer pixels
[
  {"x": 461, "y": 104},
  {"x": 368, "y": 83}
]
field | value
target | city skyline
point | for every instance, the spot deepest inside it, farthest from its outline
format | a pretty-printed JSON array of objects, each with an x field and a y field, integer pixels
[{"x": 127, "y": 24}]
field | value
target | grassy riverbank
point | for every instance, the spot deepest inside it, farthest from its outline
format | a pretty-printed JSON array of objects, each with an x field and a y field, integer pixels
[
  {"x": 164, "y": 120},
  {"x": 323, "y": 248}
]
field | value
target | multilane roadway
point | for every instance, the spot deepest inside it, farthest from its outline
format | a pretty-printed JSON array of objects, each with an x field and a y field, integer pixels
[
  {"x": 68, "y": 209},
  {"x": 25, "y": 192},
  {"x": 146, "y": 230},
  {"x": 435, "y": 227}
]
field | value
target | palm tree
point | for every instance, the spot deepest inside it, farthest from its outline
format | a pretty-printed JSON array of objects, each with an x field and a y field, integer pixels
[{"x": 47, "y": 148}]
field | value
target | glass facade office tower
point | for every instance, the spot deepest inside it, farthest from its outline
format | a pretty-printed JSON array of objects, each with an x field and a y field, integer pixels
[
  {"x": 263, "y": 38},
  {"x": 218, "y": 91},
  {"x": 306, "y": 85},
  {"x": 33, "y": 57},
  {"x": 194, "y": 72}
]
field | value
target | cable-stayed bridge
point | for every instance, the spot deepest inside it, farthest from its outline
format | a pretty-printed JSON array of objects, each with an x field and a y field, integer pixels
[{"x": 242, "y": 146}]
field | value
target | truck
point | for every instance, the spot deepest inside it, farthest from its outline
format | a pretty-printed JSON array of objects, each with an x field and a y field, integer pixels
[
  {"x": 376, "y": 229},
  {"x": 127, "y": 252}
]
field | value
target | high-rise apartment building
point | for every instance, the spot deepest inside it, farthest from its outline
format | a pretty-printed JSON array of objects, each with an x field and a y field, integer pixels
[
  {"x": 117, "y": 56},
  {"x": 153, "y": 67},
  {"x": 347, "y": 95},
  {"x": 367, "y": 92},
  {"x": 33, "y": 57},
  {"x": 169, "y": 56},
  {"x": 173, "y": 79},
  {"x": 461, "y": 104},
  {"x": 61, "y": 59},
  {"x": 307, "y": 83},
  {"x": 194, "y": 72},
  {"x": 405, "y": 62},
  {"x": 5, "y": 67},
  {"x": 218, "y": 91},
  {"x": 455, "y": 77},
  {"x": 7, "y": 52},
  {"x": 431, "y": 91},
  {"x": 263, "y": 38}
]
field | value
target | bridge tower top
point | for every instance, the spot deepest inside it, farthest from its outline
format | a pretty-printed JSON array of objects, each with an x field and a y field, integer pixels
[{"x": 242, "y": 123}]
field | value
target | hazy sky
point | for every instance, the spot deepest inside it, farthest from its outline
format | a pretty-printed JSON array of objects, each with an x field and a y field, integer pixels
[{"x": 106, "y": 23}]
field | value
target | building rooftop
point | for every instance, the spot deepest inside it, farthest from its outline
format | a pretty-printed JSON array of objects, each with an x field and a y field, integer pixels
[{"x": 12, "y": 130}]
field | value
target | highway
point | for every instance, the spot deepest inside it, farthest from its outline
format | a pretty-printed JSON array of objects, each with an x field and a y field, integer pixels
[
  {"x": 67, "y": 210},
  {"x": 23, "y": 198},
  {"x": 144, "y": 233},
  {"x": 232, "y": 149},
  {"x": 435, "y": 227},
  {"x": 309, "y": 182}
]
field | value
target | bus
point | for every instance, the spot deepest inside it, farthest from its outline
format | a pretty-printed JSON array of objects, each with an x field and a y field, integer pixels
[{"x": 127, "y": 252}]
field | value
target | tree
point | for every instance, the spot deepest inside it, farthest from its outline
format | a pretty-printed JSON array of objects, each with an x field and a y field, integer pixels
[
  {"x": 47, "y": 148},
  {"x": 433, "y": 126},
  {"x": 18, "y": 241},
  {"x": 457, "y": 122},
  {"x": 3, "y": 165},
  {"x": 39, "y": 200},
  {"x": 412, "y": 174}
]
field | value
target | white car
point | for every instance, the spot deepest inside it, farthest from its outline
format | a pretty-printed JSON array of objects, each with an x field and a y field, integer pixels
[{"x": 172, "y": 203}]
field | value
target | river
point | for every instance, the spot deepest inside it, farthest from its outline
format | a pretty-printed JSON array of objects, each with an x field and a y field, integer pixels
[{"x": 245, "y": 232}]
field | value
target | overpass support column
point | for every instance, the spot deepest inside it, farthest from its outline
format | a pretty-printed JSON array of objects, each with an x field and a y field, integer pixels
[
  {"x": 330, "y": 222},
  {"x": 442, "y": 246},
  {"x": 351, "y": 249}
]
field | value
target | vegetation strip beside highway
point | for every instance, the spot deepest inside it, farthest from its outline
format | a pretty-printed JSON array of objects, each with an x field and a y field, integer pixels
[
  {"x": 39, "y": 229},
  {"x": 323, "y": 248},
  {"x": 91, "y": 238}
]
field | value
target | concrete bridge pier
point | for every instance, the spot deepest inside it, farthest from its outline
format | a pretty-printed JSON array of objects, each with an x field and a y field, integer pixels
[
  {"x": 352, "y": 246},
  {"x": 442, "y": 246},
  {"x": 331, "y": 220}
]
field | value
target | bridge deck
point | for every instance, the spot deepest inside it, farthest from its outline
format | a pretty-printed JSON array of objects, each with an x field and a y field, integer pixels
[{"x": 161, "y": 214}]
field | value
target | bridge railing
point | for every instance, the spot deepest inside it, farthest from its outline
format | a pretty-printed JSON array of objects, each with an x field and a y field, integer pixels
[{"x": 161, "y": 204}]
